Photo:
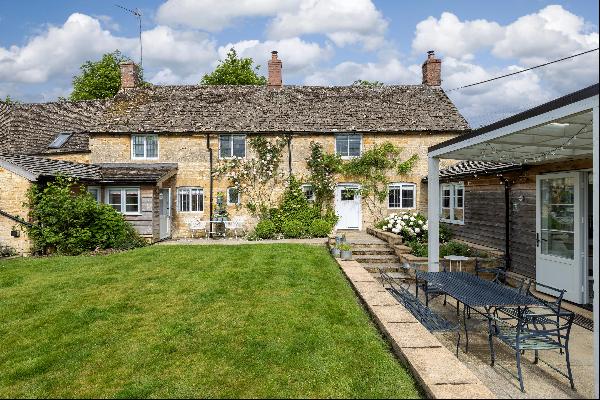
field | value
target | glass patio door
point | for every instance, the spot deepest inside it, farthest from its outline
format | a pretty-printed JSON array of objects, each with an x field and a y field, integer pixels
[{"x": 558, "y": 234}]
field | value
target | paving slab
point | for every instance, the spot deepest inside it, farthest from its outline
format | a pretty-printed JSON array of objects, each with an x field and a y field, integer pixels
[
  {"x": 411, "y": 336},
  {"x": 392, "y": 314},
  {"x": 435, "y": 365}
]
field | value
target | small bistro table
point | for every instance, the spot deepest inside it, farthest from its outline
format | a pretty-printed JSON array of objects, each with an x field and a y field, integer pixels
[{"x": 477, "y": 294}]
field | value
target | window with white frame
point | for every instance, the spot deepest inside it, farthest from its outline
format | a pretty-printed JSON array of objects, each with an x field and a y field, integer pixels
[
  {"x": 348, "y": 145},
  {"x": 190, "y": 199},
  {"x": 232, "y": 146},
  {"x": 233, "y": 196},
  {"x": 124, "y": 200},
  {"x": 452, "y": 203},
  {"x": 144, "y": 147},
  {"x": 95, "y": 192},
  {"x": 401, "y": 195},
  {"x": 308, "y": 191}
]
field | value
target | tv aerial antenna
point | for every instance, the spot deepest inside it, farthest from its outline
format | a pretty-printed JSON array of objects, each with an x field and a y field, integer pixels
[{"x": 138, "y": 14}]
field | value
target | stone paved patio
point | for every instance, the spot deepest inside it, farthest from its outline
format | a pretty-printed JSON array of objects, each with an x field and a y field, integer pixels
[{"x": 540, "y": 380}]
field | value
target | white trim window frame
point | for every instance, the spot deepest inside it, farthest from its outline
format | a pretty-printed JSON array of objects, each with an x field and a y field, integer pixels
[
  {"x": 452, "y": 203},
  {"x": 230, "y": 146},
  {"x": 190, "y": 199},
  {"x": 229, "y": 196},
  {"x": 309, "y": 191},
  {"x": 120, "y": 198},
  {"x": 96, "y": 192},
  {"x": 348, "y": 145},
  {"x": 144, "y": 146},
  {"x": 397, "y": 196}
]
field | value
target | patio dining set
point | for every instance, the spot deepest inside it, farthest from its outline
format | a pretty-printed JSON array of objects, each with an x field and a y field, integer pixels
[
  {"x": 511, "y": 309},
  {"x": 217, "y": 228}
]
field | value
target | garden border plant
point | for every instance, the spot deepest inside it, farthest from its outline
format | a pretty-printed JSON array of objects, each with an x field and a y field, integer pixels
[{"x": 70, "y": 221}]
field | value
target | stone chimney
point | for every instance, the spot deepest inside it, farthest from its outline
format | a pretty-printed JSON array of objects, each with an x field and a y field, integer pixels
[
  {"x": 432, "y": 70},
  {"x": 275, "y": 64},
  {"x": 129, "y": 75}
]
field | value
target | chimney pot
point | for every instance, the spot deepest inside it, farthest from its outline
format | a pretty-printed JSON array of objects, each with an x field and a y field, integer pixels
[
  {"x": 129, "y": 75},
  {"x": 432, "y": 70},
  {"x": 275, "y": 64}
]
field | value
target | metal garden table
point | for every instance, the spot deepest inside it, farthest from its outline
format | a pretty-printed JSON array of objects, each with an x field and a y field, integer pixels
[{"x": 477, "y": 294}]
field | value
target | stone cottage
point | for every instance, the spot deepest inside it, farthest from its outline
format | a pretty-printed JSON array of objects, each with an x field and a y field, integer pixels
[{"x": 154, "y": 148}]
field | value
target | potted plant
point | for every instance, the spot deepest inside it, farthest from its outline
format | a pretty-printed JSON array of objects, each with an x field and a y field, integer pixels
[
  {"x": 340, "y": 239},
  {"x": 335, "y": 251},
  {"x": 345, "y": 251}
]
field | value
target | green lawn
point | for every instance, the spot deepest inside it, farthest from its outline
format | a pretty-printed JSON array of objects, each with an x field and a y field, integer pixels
[{"x": 190, "y": 321}]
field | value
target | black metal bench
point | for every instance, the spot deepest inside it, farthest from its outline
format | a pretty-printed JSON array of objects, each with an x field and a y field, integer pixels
[{"x": 427, "y": 317}]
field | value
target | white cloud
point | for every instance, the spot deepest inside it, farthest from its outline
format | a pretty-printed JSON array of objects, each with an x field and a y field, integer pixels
[
  {"x": 180, "y": 56},
  {"x": 390, "y": 71},
  {"x": 59, "y": 50},
  {"x": 550, "y": 33},
  {"x": 297, "y": 55},
  {"x": 553, "y": 32},
  {"x": 455, "y": 38},
  {"x": 215, "y": 15},
  {"x": 344, "y": 22}
]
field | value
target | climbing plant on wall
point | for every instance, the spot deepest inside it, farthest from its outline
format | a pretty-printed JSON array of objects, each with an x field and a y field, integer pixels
[
  {"x": 322, "y": 168},
  {"x": 372, "y": 170},
  {"x": 256, "y": 178}
]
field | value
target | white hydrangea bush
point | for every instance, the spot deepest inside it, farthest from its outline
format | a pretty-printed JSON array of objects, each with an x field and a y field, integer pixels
[{"x": 411, "y": 226}]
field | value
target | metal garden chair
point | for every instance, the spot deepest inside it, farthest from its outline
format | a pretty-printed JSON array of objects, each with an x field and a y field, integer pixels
[
  {"x": 427, "y": 317},
  {"x": 529, "y": 334}
]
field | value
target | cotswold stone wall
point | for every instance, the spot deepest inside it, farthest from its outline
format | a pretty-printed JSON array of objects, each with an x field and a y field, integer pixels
[
  {"x": 191, "y": 155},
  {"x": 13, "y": 190}
]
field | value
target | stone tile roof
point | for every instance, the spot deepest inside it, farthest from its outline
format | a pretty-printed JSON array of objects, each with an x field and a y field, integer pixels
[
  {"x": 468, "y": 168},
  {"x": 409, "y": 108},
  {"x": 128, "y": 172},
  {"x": 30, "y": 128},
  {"x": 35, "y": 167}
]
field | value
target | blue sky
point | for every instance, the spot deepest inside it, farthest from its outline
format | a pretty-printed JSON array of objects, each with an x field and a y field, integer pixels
[{"x": 321, "y": 42}]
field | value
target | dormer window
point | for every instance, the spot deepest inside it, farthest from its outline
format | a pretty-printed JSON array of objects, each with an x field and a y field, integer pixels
[
  {"x": 60, "y": 140},
  {"x": 144, "y": 147}
]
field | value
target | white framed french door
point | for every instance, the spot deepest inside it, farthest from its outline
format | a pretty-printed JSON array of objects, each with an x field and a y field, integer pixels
[
  {"x": 164, "y": 199},
  {"x": 559, "y": 234},
  {"x": 348, "y": 206}
]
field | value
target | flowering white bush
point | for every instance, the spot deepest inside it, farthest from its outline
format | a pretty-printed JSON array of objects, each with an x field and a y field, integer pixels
[{"x": 412, "y": 226}]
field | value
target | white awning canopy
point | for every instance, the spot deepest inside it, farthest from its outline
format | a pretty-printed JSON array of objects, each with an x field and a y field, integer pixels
[{"x": 563, "y": 129}]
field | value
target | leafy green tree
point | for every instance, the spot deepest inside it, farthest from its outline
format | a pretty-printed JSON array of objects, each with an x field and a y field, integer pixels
[
  {"x": 99, "y": 79},
  {"x": 10, "y": 100},
  {"x": 365, "y": 83},
  {"x": 234, "y": 71}
]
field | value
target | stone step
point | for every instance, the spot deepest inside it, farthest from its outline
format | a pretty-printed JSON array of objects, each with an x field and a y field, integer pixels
[
  {"x": 361, "y": 250},
  {"x": 376, "y": 258},
  {"x": 387, "y": 267}
]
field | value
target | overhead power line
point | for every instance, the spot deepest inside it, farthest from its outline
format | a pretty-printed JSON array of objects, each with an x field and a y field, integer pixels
[{"x": 524, "y": 70}]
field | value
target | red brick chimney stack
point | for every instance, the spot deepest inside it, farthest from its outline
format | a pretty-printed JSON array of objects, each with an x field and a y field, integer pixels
[
  {"x": 129, "y": 75},
  {"x": 432, "y": 70},
  {"x": 275, "y": 64}
]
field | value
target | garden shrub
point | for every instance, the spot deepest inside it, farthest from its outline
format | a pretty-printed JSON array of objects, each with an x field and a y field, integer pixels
[
  {"x": 296, "y": 207},
  {"x": 293, "y": 229},
  {"x": 73, "y": 222},
  {"x": 418, "y": 249},
  {"x": 320, "y": 228},
  {"x": 265, "y": 229},
  {"x": 455, "y": 248},
  {"x": 445, "y": 233}
]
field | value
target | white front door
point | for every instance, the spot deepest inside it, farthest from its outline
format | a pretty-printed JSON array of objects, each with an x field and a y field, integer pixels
[
  {"x": 347, "y": 206},
  {"x": 559, "y": 245},
  {"x": 164, "y": 198}
]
